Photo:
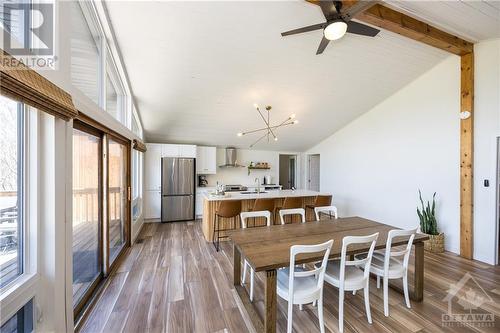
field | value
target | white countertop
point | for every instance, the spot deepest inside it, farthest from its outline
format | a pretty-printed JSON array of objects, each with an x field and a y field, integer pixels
[{"x": 268, "y": 195}]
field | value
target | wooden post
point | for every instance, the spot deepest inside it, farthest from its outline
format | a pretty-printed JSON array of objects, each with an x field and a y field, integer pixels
[{"x": 466, "y": 154}]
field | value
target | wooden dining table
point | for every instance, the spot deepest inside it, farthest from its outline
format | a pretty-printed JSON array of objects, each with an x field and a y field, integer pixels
[{"x": 267, "y": 249}]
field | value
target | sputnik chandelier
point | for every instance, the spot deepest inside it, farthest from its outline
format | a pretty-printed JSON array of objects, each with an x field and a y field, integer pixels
[{"x": 270, "y": 130}]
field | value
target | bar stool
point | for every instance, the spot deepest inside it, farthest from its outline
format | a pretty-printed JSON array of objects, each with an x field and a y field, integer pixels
[
  {"x": 228, "y": 209},
  {"x": 263, "y": 205},
  {"x": 289, "y": 203},
  {"x": 320, "y": 201}
]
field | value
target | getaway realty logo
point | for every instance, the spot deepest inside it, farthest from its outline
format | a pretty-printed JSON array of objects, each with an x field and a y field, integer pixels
[
  {"x": 466, "y": 301},
  {"x": 29, "y": 32}
]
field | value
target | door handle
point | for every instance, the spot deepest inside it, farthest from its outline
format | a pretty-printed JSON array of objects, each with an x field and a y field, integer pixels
[{"x": 129, "y": 193}]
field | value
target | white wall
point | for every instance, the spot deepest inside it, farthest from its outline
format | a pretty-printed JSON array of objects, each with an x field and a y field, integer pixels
[
  {"x": 375, "y": 165},
  {"x": 486, "y": 131},
  {"x": 240, "y": 175}
]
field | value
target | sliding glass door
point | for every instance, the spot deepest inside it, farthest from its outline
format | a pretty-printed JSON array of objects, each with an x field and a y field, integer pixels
[
  {"x": 118, "y": 197},
  {"x": 87, "y": 212},
  {"x": 101, "y": 207}
]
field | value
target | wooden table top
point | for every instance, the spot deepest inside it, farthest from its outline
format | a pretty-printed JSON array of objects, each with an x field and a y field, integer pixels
[{"x": 267, "y": 248}]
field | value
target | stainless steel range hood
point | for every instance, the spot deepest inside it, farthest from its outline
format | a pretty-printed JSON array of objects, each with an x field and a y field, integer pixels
[{"x": 231, "y": 161}]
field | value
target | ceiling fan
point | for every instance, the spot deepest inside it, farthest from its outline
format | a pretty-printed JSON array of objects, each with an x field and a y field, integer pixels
[{"x": 338, "y": 22}]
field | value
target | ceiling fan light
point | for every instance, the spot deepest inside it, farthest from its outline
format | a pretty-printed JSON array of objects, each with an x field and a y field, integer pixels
[{"x": 335, "y": 30}]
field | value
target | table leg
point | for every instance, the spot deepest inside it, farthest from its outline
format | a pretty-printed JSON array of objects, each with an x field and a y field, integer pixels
[
  {"x": 236, "y": 266},
  {"x": 270, "y": 301},
  {"x": 418, "y": 280}
]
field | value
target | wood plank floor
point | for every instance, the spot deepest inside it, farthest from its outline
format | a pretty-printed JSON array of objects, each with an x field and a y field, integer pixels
[{"x": 174, "y": 281}]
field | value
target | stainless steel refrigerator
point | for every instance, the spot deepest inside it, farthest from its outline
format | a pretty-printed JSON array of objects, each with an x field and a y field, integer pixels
[{"x": 177, "y": 189}]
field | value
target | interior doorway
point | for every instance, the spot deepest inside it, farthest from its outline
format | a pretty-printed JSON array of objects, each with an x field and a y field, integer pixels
[
  {"x": 313, "y": 172},
  {"x": 288, "y": 171}
]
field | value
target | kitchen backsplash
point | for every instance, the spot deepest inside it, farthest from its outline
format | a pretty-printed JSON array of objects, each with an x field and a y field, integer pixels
[{"x": 240, "y": 175}]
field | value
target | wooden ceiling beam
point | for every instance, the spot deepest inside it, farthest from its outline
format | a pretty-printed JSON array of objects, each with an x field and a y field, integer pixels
[{"x": 389, "y": 19}]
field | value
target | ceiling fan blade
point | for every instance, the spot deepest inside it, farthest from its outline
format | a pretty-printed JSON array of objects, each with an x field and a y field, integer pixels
[
  {"x": 358, "y": 7},
  {"x": 304, "y": 29},
  {"x": 322, "y": 45},
  {"x": 361, "y": 29},
  {"x": 329, "y": 9}
]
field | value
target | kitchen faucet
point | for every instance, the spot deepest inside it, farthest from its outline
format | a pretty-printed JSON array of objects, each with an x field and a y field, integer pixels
[{"x": 257, "y": 180}]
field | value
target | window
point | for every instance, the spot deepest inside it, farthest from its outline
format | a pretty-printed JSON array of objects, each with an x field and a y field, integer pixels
[
  {"x": 136, "y": 129},
  {"x": 15, "y": 21},
  {"x": 85, "y": 55},
  {"x": 11, "y": 190},
  {"x": 21, "y": 321},
  {"x": 115, "y": 99},
  {"x": 111, "y": 98},
  {"x": 137, "y": 165}
]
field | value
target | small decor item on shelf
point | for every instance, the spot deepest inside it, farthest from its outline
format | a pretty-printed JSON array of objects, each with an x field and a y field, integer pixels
[{"x": 428, "y": 225}]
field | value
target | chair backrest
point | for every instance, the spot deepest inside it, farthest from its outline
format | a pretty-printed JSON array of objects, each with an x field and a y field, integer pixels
[
  {"x": 229, "y": 208},
  {"x": 292, "y": 202},
  {"x": 403, "y": 253},
  {"x": 263, "y": 213},
  {"x": 323, "y": 200},
  {"x": 319, "y": 272},
  {"x": 264, "y": 204},
  {"x": 294, "y": 211},
  {"x": 365, "y": 262},
  {"x": 325, "y": 209}
]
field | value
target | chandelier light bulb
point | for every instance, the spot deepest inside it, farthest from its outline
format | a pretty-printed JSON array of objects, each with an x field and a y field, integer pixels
[
  {"x": 255, "y": 105},
  {"x": 239, "y": 134},
  {"x": 295, "y": 121},
  {"x": 292, "y": 116},
  {"x": 275, "y": 138}
]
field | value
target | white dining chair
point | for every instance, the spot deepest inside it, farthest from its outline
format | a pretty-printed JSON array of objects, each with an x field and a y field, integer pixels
[
  {"x": 330, "y": 210},
  {"x": 385, "y": 265},
  {"x": 347, "y": 276},
  {"x": 244, "y": 216},
  {"x": 293, "y": 211},
  {"x": 297, "y": 285}
]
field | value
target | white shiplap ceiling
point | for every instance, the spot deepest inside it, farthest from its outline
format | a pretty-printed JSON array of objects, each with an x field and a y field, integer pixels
[{"x": 196, "y": 68}]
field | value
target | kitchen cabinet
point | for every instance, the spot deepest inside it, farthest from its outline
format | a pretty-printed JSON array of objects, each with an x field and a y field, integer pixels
[
  {"x": 169, "y": 150},
  {"x": 153, "y": 167},
  {"x": 152, "y": 204},
  {"x": 206, "y": 160},
  {"x": 187, "y": 151}
]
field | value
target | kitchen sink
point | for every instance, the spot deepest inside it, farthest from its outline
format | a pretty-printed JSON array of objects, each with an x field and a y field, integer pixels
[{"x": 252, "y": 192}]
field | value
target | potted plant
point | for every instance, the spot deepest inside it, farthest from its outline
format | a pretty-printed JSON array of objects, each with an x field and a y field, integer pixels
[{"x": 428, "y": 225}]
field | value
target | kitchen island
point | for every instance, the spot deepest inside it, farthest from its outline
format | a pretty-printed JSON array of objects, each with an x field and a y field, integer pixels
[{"x": 211, "y": 202}]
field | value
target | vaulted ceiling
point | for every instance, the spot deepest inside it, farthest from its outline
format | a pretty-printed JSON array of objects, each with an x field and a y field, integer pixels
[{"x": 196, "y": 68}]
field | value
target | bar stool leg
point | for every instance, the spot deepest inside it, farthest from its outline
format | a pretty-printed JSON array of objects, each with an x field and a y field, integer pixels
[{"x": 215, "y": 228}]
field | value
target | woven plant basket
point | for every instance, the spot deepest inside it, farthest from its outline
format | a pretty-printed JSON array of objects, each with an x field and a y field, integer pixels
[{"x": 435, "y": 244}]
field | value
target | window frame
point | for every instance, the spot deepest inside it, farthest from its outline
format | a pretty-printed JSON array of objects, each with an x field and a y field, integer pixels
[{"x": 22, "y": 289}]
